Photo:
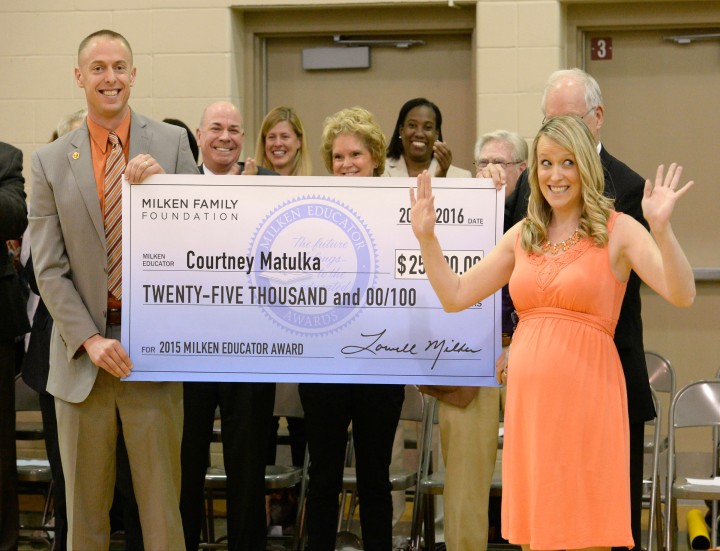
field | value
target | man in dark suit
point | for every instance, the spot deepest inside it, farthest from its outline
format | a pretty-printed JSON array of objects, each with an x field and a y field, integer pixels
[
  {"x": 73, "y": 239},
  {"x": 574, "y": 92},
  {"x": 245, "y": 408},
  {"x": 13, "y": 322}
]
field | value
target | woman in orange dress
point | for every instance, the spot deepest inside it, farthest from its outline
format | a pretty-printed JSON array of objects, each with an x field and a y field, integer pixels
[{"x": 565, "y": 457}]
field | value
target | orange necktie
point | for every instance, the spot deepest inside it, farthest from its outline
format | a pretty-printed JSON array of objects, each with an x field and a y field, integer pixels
[{"x": 114, "y": 169}]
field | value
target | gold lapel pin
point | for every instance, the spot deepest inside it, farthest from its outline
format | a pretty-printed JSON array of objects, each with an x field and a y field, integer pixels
[{"x": 75, "y": 155}]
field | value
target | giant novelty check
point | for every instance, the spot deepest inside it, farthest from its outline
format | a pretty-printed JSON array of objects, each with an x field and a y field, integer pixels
[{"x": 302, "y": 279}]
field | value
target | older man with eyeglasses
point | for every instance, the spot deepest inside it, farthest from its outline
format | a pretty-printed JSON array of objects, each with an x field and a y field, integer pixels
[{"x": 506, "y": 149}]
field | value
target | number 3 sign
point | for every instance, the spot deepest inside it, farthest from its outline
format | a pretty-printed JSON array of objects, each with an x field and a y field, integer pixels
[{"x": 601, "y": 49}]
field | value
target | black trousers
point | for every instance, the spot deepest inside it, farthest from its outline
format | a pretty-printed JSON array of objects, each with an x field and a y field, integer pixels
[
  {"x": 246, "y": 411},
  {"x": 374, "y": 411},
  {"x": 298, "y": 440},
  {"x": 637, "y": 458},
  {"x": 9, "y": 513}
]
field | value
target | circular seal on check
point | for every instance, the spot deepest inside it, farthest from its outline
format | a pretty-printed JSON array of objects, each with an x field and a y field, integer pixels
[{"x": 314, "y": 259}]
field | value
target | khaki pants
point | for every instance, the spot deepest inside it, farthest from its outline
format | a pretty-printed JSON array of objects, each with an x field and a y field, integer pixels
[
  {"x": 152, "y": 420},
  {"x": 468, "y": 438}
]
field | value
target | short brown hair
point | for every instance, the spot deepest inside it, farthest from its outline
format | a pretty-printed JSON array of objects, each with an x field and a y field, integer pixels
[{"x": 107, "y": 34}]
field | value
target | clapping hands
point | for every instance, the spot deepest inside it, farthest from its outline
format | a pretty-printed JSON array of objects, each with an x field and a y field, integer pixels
[
  {"x": 443, "y": 155},
  {"x": 251, "y": 168}
]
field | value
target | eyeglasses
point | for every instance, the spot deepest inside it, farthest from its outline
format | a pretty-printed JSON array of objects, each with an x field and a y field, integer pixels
[
  {"x": 547, "y": 118},
  {"x": 482, "y": 163}
]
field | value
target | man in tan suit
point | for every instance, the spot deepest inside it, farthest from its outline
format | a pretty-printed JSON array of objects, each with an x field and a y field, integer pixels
[
  {"x": 469, "y": 417},
  {"x": 70, "y": 251}
]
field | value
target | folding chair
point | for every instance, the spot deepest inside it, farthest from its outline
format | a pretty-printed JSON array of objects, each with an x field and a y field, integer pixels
[
  {"x": 34, "y": 475},
  {"x": 429, "y": 484},
  {"x": 652, "y": 499},
  {"x": 695, "y": 405},
  {"x": 662, "y": 381}
]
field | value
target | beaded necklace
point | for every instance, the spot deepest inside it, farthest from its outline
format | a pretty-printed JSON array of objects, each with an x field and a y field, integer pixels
[{"x": 556, "y": 248}]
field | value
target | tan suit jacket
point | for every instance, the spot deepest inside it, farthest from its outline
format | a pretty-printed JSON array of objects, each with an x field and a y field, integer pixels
[
  {"x": 68, "y": 241},
  {"x": 397, "y": 167}
]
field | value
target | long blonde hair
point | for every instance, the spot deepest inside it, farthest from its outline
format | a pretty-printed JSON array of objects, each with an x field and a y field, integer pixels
[
  {"x": 572, "y": 134},
  {"x": 302, "y": 165}
]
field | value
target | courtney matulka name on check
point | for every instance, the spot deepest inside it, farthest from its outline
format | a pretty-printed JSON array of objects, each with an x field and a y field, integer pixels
[{"x": 299, "y": 262}]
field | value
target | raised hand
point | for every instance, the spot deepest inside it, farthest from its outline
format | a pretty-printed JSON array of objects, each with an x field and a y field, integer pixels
[
  {"x": 659, "y": 199},
  {"x": 422, "y": 213}
]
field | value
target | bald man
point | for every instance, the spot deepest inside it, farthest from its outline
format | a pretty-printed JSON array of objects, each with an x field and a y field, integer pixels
[
  {"x": 245, "y": 408},
  {"x": 220, "y": 138}
]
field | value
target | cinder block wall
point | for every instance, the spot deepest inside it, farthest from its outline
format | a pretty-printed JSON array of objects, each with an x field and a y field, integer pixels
[{"x": 185, "y": 58}]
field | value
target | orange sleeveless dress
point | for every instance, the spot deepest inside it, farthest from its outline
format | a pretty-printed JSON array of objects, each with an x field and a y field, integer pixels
[{"x": 565, "y": 467}]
